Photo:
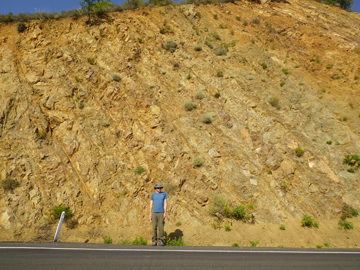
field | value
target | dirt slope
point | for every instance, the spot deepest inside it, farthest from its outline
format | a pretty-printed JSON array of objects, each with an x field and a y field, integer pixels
[{"x": 82, "y": 106}]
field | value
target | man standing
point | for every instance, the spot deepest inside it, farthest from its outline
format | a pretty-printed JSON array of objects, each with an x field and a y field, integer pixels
[{"x": 158, "y": 213}]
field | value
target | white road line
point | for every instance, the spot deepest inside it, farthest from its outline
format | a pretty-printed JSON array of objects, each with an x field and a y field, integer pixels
[{"x": 189, "y": 250}]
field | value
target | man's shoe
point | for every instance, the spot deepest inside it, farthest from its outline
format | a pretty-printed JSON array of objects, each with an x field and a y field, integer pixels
[
  {"x": 154, "y": 244},
  {"x": 161, "y": 243}
]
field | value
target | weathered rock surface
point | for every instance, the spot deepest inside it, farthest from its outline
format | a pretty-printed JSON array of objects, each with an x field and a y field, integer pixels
[{"x": 72, "y": 135}]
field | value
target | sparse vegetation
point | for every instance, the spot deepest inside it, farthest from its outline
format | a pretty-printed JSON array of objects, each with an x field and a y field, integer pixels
[
  {"x": 116, "y": 77},
  {"x": 282, "y": 84},
  {"x": 177, "y": 241},
  {"x": 9, "y": 184},
  {"x": 227, "y": 227},
  {"x": 21, "y": 27},
  {"x": 139, "y": 170},
  {"x": 108, "y": 240},
  {"x": 198, "y": 48},
  {"x": 282, "y": 227},
  {"x": 220, "y": 51},
  {"x": 198, "y": 162},
  {"x": 56, "y": 211},
  {"x": 299, "y": 152},
  {"x": 285, "y": 71},
  {"x": 348, "y": 211},
  {"x": 206, "y": 119},
  {"x": 189, "y": 105},
  {"x": 217, "y": 95},
  {"x": 274, "y": 101},
  {"x": 235, "y": 245},
  {"x": 199, "y": 95},
  {"x": 329, "y": 142},
  {"x": 105, "y": 123},
  {"x": 264, "y": 65},
  {"x": 327, "y": 244},
  {"x": 209, "y": 44},
  {"x": 346, "y": 225},
  {"x": 220, "y": 73},
  {"x": 139, "y": 242},
  {"x": 170, "y": 46},
  {"x": 307, "y": 221},
  {"x": 254, "y": 243},
  {"x": 353, "y": 161},
  {"x": 91, "y": 60}
]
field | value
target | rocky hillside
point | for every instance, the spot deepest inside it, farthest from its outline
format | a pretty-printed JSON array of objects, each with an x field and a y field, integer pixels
[{"x": 82, "y": 106}]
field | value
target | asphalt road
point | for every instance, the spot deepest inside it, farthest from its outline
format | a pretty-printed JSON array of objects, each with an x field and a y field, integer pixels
[{"x": 64, "y": 256}]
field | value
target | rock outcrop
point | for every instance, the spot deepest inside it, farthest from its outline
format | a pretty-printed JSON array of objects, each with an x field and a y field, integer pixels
[{"x": 82, "y": 106}]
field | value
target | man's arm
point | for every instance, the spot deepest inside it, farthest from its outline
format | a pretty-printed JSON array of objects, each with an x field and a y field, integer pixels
[
  {"x": 165, "y": 205},
  {"x": 151, "y": 208}
]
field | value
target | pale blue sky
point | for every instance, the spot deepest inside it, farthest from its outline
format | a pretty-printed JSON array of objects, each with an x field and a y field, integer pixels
[{"x": 51, "y": 6}]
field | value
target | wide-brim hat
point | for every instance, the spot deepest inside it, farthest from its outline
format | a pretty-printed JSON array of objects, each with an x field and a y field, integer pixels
[{"x": 158, "y": 186}]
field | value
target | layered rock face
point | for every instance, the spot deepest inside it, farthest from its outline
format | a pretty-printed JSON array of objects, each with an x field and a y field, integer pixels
[{"x": 82, "y": 106}]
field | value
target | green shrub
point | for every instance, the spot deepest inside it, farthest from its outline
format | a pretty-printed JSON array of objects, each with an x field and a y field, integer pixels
[
  {"x": 329, "y": 142},
  {"x": 188, "y": 76},
  {"x": 256, "y": 21},
  {"x": 198, "y": 48},
  {"x": 81, "y": 105},
  {"x": 116, "y": 77},
  {"x": 235, "y": 245},
  {"x": 139, "y": 242},
  {"x": 327, "y": 244},
  {"x": 198, "y": 162},
  {"x": 319, "y": 246},
  {"x": 199, "y": 95},
  {"x": 209, "y": 44},
  {"x": 238, "y": 18},
  {"x": 227, "y": 228},
  {"x": 307, "y": 221},
  {"x": 264, "y": 65},
  {"x": 299, "y": 152},
  {"x": 282, "y": 84},
  {"x": 254, "y": 243},
  {"x": 108, "y": 240},
  {"x": 351, "y": 169},
  {"x": 215, "y": 16},
  {"x": 139, "y": 170},
  {"x": 239, "y": 213},
  {"x": 9, "y": 184},
  {"x": 335, "y": 76},
  {"x": 220, "y": 73},
  {"x": 245, "y": 23},
  {"x": 282, "y": 227},
  {"x": 220, "y": 51},
  {"x": 105, "y": 123},
  {"x": 124, "y": 242},
  {"x": 353, "y": 160},
  {"x": 346, "y": 225},
  {"x": 285, "y": 71},
  {"x": 217, "y": 95},
  {"x": 274, "y": 101},
  {"x": 21, "y": 27},
  {"x": 216, "y": 206},
  {"x": 189, "y": 105},
  {"x": 348, "y": 211},
  {"x": 56, "y": 211},
  {"x": 91, "y": 61},
  {"x": 170, "y": 46},
  {"x": 177, "y": 241},
  {"x": 206, "y": 119}
]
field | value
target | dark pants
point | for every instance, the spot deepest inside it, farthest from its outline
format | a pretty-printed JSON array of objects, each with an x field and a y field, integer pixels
[{"x": 158, "y": 222}]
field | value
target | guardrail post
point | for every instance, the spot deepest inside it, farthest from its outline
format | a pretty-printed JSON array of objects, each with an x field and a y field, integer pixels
[{"x": 59, "y": 226}]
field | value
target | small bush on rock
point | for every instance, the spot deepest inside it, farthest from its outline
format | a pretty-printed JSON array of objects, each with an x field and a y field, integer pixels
[
  {"x": 307, "y": 221},
  {"x": 9, "y": 184},
  {"x": 170, "y": 46},
  {"x": 56, "y": 211}
]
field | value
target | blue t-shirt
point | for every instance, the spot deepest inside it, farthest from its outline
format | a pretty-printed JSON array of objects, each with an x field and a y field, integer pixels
[{"x": 158, "y": 201}]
